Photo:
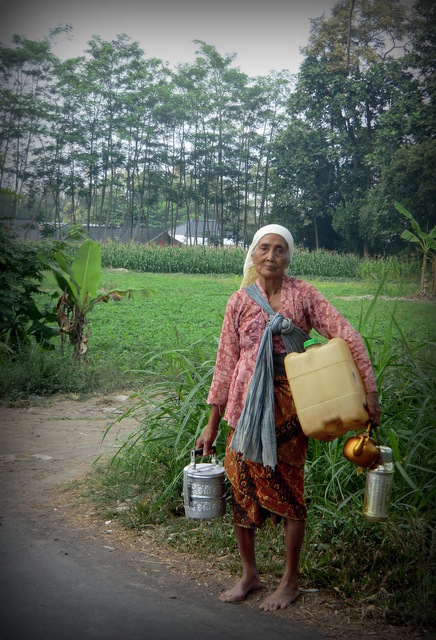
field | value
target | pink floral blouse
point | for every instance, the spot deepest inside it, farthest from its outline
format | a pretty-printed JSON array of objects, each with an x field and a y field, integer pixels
[{"x": 241, "y": 335}]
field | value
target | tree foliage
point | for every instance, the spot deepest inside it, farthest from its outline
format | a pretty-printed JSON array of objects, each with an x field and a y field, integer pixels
[
  {"x": 370, "y": 116},
  {"x": 20, "y": 283},
  {"x": 114, "y": 138}
]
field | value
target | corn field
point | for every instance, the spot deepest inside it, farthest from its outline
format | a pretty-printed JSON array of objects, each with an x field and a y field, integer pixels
[{"x": 200, "y": 260}]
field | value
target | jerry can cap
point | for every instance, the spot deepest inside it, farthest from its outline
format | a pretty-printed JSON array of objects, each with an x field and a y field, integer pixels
[{"x": 311, "y": 342}]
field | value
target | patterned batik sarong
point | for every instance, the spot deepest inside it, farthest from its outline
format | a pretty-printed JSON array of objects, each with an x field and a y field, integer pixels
[{"x": 260, "y": 492}]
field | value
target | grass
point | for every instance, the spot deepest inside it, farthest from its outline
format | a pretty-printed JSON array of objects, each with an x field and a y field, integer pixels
[
  {"x": 164, "y": 349},
  {"x": 187, "y": 308}
]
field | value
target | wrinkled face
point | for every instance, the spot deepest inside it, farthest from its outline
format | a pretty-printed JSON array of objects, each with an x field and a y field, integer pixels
[{"x": 271, "y": 256}]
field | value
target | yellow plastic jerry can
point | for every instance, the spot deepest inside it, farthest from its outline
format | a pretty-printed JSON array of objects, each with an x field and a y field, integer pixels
[{"x": 327, "y": 389}]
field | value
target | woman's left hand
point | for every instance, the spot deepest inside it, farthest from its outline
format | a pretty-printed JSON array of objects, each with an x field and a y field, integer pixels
[{"x": 373, "y": 408}]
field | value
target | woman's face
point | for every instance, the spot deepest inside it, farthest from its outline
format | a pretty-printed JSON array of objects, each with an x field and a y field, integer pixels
[{"x": 271, "y": 256}]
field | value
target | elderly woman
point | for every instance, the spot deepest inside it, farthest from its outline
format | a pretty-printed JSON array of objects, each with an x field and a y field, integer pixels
[{"x": 266, "y": 471}]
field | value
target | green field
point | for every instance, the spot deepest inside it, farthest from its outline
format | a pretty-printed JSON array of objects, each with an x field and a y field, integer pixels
[{"x": 188, "y": 308}]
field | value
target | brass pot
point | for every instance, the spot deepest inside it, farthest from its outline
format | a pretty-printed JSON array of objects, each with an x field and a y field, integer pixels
[{"x": 362, "y": 450}]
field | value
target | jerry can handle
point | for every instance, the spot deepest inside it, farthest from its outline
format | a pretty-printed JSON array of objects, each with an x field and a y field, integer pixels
[{"x": 199, "y": 452}]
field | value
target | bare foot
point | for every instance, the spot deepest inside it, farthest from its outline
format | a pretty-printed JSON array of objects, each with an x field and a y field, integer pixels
[
  {"x": 241, "y": 590},
  {"x": 280, "y": 599}
]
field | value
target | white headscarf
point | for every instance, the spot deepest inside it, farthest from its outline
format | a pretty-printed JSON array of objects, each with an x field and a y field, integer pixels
[{"x": 250, "y": 273}]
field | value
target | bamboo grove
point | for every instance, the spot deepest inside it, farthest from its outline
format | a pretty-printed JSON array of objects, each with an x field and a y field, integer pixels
[{"x": 115, "y": 138}]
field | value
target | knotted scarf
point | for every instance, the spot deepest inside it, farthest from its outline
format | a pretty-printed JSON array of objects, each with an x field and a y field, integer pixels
[{"x": 255, "y": 435}]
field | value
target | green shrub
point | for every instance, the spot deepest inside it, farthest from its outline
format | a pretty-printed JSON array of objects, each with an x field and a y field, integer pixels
[
  {"x": 21, "y": 318},
  {"x": 36, "y": 372}
]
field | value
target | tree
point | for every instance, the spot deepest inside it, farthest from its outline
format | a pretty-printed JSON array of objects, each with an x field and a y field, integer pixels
[
  {"x": 264, "y": 104},
  {"x": 115, "y": 138},
  {"x": 366, "y": 111},
  {"x": 218, "y": 88},
  {"x": 427, "y": 246},
  {"x": 303, "y": 180},
  {"x": 79, "y": 280},
  {"x": 27, "y": 76},
  {"x": 409, "y": 175},
  {"x": 422, "y": 57}
]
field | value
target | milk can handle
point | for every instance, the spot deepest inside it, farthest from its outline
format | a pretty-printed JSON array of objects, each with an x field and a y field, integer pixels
[{"x": 199, "y": 452}]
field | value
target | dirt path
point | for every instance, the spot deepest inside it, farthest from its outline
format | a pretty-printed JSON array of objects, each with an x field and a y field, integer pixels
[
  {"x": 55, "y": 441},
  {"x": 49, "y": 444}
]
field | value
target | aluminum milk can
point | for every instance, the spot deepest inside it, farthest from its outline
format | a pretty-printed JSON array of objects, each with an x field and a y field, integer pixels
[
  {"x": 378, "y": 487},
  {"x": 203, "y": 488}
]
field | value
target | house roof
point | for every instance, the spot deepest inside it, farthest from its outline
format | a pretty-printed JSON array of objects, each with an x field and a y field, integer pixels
[{"x": 210, "y": 227}]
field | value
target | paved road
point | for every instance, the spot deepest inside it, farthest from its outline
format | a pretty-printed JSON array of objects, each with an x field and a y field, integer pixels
[
  {"x": 55, "y": 589},
  {"x": 60, "y": 583}
]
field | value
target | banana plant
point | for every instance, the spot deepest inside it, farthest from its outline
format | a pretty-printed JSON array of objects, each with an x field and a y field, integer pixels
[
  {"x": 79, "y": 280},
  {"x": 427, "y": 244}
]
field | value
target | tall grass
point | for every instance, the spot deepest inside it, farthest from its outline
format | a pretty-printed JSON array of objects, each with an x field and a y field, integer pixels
[
  {"x": 173, "y": 413},
  {"x": 390, "y": 564},
  {"x": 393, "y": 267}
]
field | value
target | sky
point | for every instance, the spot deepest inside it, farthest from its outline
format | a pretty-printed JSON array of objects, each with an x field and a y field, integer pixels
[{"x": 265, "y": 35}]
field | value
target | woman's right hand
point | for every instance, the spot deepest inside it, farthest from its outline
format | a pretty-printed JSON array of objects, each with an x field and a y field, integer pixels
[{"x": 210, "y": 432}]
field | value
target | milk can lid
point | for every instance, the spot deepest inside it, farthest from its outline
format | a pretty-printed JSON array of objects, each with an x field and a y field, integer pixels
[
  {"x": 386, "y": 454},
  {"x": 205, "y": 471}
]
